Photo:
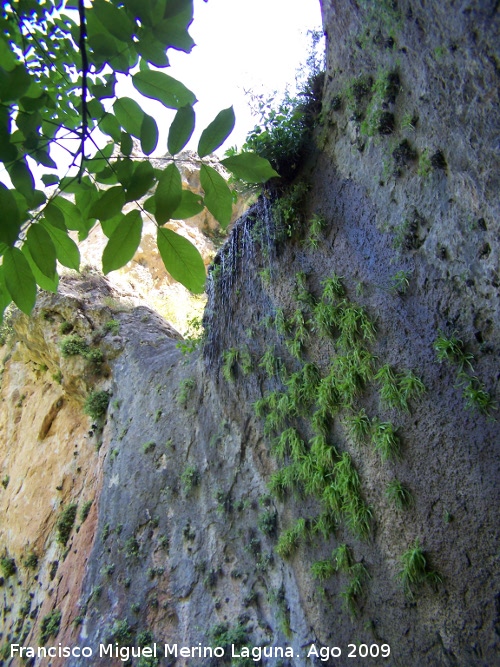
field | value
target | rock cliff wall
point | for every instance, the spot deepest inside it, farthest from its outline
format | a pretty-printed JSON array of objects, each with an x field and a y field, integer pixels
[{"x": 323, "y": 471}]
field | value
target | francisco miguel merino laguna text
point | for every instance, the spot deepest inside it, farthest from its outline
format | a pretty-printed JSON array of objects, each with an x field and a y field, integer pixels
[{"x": 124, "y": 653}]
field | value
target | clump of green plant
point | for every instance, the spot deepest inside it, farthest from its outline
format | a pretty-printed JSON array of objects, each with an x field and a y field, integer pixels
[
  {"x": 289, "y": 539},
  {"x": 8, "y": 566},
  {"x": 289, "y": 444},
  {"x": 113, "y": 326},
  {"x": 233, "y": 358},
  {"x": 265, "y": 276},
  {"x": 121, "y": 632},
  {"x": 317, "y": 225},
  {"x": 5, "y": 481},
  {"x": 186, "y": 387},
  {"x": 50, "y": 626},
  {"x": 424, "y": 164},
  {"x": 131, "y": 547},
  {"x": 65, "y": 523},
  {"x": 358, "y": 574},
  {"x": 270, "y": 363},
  {"x": 84, "y": 512},
  {"x": 280, "y": 134},
  {"x": 74, "y": 345},
  {"x": 333, "y": 289},
  {"x": 397, "y": 390},
  {"x": 475, "y": 394},
  {"x": 31, "y": 560},
  {"x": 6, "y": 328},
  {"x": 225, "y": 636},
  {"x": 267, "y": 522},
  {"x": 190, "y": 478},
  {"x": 65, "y": 327},
  {"x": 358, "y": 426},
  {"x": 415, "y": 570},
  {"x": 383, "y": 90},
  {"x": 288, "y": 212},
  {"x": 399, "y": 494},
  {"x": 385, "y": 439},
  {"x": 193, "y": 337},
  {"x": 451, "y": 348},
  {"x": 96, "y": 404},
  {"x": 400, "y": 282},
  {"x": 148, "y": 447}
]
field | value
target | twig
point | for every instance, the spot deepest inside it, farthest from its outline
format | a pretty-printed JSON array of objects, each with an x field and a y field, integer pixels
[{"x": 85, "y": 67}]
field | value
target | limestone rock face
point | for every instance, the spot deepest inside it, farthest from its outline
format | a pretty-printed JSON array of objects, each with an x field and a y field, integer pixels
[{"x": 228, "y": 504}]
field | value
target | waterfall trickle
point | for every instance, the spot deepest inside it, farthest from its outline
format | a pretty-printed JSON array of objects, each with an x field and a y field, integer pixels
[{"x": 250, "y": 247}]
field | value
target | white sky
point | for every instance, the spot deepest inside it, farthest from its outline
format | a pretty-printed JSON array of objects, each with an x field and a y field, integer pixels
[{"x": 242, "y": 45}]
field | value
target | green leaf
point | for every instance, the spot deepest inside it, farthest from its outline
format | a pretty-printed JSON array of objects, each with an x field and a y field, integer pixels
[
  {"x": 109, "y": 226},
  {"x": 142, "y": 181},
  {"x": 50, "y": 179},
  {"x": 5, "y": 298},
  {"x": 72, "y": 215},
  {"x": 151, "y": 50},
  {"x": 109, "y": 204},
  {"x": 19, "y": 279},
  {"x": 22, "y": 178},
  {"x": 218, "y": 197},
  {"x": 217, "y": 132},
  {"x": 149, "y": 134},
  {"x": 10, "y": 220},
  {"x": 174, "y": 34},
  {"x": 182, "y": 260},
  {"x": 7, "y": 60},
  {"x": 123, "y": 242},
  {"x": 159, "y": 86},
  {"x": 110, "y": 126},
  {"x": 181, "y": 129},
  {"x": 168, "y": 193},
  {"x": 54, "y": 216},
  {"x": 66, "y": 249},
  {"x": 42, "y": 157},
  {"x": 42, "y": 250},
  {"x": 191, "y": 204},
  {"x": 126, "y": 143},
  {"x": 48, "y": 284},
  {"x": 249, "y": 167},
  {"x": 130, "y": 115},
  {"x": 14, "y": 84},
  {"x": 114, "y": 20}
]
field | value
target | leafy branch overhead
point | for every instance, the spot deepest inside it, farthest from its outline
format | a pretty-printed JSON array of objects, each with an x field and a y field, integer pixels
[{"x": 58, "y": 66}]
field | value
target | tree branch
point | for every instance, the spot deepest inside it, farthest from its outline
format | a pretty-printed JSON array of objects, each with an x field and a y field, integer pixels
[{"x": 85, "y": 68}]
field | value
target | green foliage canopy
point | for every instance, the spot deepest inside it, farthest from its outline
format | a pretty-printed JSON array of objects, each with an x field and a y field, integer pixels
[{"x": 58, "y": 65}]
